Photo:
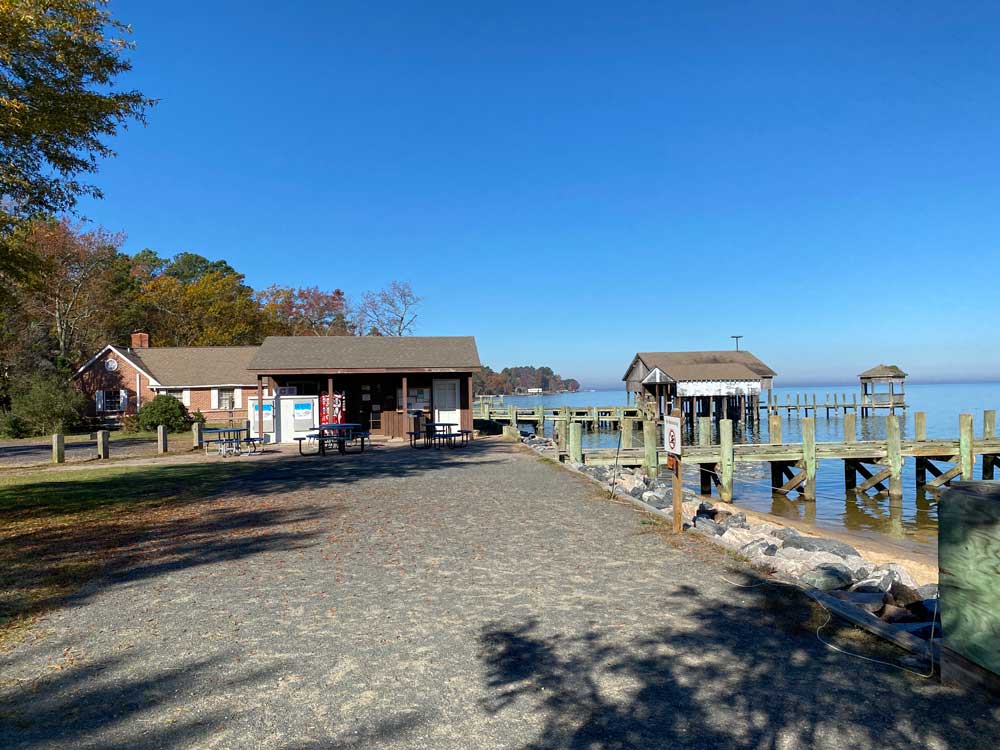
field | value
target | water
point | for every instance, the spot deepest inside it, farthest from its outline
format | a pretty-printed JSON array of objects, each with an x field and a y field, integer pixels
[{"x": 910, "y": 523}]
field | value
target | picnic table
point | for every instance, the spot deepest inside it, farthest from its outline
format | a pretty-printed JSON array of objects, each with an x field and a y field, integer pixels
[
  {"x": 441, "y": 433},
  {"x": 228, "y": 441},
  {"x": 341, "y": 434}
]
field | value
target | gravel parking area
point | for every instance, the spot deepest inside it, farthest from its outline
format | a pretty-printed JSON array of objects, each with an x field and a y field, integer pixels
[{"x": 467, "y": 598}]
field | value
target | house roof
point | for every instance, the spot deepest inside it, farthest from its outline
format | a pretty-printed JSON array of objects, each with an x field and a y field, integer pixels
[
  {"x": 366, "y": 353},
  {"x": 883, "y": 371},
  {"x": 708, "y": 365},
  {"x": 196, "y": 365}
]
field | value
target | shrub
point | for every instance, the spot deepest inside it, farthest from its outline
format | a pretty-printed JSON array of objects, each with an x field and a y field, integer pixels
[
  {"x": 12, "y": 426},
  {"x": 130, "y": 423},
  {"x": 165, "y": 410},
  {"x": 197, "y": 416},
  {"x": 47, "y": 404}
]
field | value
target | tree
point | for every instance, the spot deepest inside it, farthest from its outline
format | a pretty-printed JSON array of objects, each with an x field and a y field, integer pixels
[
  {"x": 46, "y": 404},
  {"x": 74, "y": 287},
  {"x": 190, "y": 267},
  {"x": 308, "y": 311},
  {"x": 59, "y": 62},
  {"x": 389, "y": 312}
]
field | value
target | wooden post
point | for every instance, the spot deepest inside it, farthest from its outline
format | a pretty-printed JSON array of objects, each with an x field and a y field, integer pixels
[
  {"x": 576, "y": 443},
  {"x": 627, "y": 428},
  {"x": 726, "y": 460},
  {"x": 196, "y": 434},
  {"x": 512, "y": 416},
  {"x": 678, "y": 497},
  {"x": 989, "y": 432},
  {"x": 850, "y": 427},
  {"x": 850, "y": 475},
  {"x": 920, "y": 426},
  {"x": 161, "y": 439},
  {"x": 809, "y": 456},
  {"x": 103, "y": 444},
  {"x": 965, "y": 445},
  {"x": 260, "y": 406},
  {"x": 649, "y": 447},
  {"x": 58, "y": 448},
  {"x": 894, "y": 457},
  {"x": 539, "y": 420},
  {"x": 774, "y": 429},
  {"x": 704, "y": 430}
]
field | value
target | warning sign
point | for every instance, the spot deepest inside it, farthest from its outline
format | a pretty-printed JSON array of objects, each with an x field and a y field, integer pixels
[{"x": 672, "y": 435}]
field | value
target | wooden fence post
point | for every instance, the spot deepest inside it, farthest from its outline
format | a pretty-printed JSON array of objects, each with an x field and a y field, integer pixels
[
  {"x": 649, "y": 447},
  {"x": 893, "y": 444},
  {"x": 809, "y": 456},
  {"x": 58, "y": 448},
  {"x": 103, "y": 444},
  {"x": 161, "y": 439},
  {"x": 628, "y": 428},
  {"x": 196, "y": 434},
  {"x": 704, "y": 430},
  {"x": 920, "y": 426},
  {"x": 726, "y": 460},
  {"x": 965, "y": 445},
  {"x": 989, "y": 432},
  {"x": 850, "y": 427},
  {"x": 774, "y": 429},
  {"x": 576, "y": 443}
]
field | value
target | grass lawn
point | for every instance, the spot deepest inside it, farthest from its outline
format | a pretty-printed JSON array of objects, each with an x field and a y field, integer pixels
[{"x": 59, "y": 530}]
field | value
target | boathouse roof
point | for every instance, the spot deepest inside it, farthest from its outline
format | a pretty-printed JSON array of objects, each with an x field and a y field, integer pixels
[
  {"x": 883, "y": 371},
  {"x": 366, "y": 354},
  {"x": 705, "y": 365}
]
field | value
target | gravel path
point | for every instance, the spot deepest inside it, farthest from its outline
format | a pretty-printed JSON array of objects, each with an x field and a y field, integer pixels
[{"x": 475, "y": 598}]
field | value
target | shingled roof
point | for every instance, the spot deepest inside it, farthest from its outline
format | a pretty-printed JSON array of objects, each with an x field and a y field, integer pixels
[
  {"x": 708, "y": 365},
  {"x": 883, "y": 371},
  {"x": 366, "y": 353},
  {"x": 196, "y": 365}
]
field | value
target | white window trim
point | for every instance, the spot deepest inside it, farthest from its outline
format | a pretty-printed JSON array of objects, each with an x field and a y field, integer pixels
[
  {"x": 186, "y": 397},
  {"x": 214, "y": 399},
  {"x": 238, "y": 398}
]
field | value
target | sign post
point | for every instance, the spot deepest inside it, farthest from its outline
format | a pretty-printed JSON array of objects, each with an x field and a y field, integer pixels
[{"x": 672, "y": 444}]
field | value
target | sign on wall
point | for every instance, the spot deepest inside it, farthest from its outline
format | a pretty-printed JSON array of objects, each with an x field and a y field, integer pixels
[
  {"x": 302, "y": 416},
  {"x": 268, "y": 415}
]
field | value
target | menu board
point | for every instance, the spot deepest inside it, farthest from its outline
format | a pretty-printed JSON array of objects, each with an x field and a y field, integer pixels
[{"x": 417, "y": 399}]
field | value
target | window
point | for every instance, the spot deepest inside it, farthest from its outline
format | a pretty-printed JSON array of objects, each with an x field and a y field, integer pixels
[
  {"x": 178, "y": 394},
  {"x": 112, "y": 400},
  {"x": 227, "y": 398}
]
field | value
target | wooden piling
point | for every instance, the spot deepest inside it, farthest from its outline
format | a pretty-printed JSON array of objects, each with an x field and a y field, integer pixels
[
  {"x": 850, "y": 428},
  {"x": 704, "y": 430},
  {"x": 726, "y": 460},
  {"x": 989, "y": 432},
  {"x": 576, "y": 443},
  {"x": 894, "y": 455},
  {"x": 920, "y": 426},
  {"x": 774, "y": 429},
  {"x": 809, "y": 457},
  {"x": 58, "y": 448},
  {"x": 103, "y": 444},
  {"x": 965, "y": 445},
  {"x": 649, "y": 447},
  {"x": 161, "y": 439},
  {"x": 850, "y": 474},
  {"x": 628, "y": 430}
]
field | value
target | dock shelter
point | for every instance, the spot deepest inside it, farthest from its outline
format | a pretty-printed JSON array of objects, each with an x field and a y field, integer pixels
[
  {"x": 723, "y": 384},
  {"x": 385, "y": 383}
]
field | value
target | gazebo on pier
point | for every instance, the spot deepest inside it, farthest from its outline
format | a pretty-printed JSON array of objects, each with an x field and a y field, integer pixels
[{"x": 892, "y": 397}]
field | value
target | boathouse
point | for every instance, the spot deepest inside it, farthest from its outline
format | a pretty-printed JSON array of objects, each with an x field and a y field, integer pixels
[
  {"x": 384, "y": 383},
  {"x": 723, "y": 384},
  {"x": 891, "y": 395}
]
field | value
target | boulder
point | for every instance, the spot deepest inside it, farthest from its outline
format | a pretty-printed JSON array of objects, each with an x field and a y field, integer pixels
[
  {"x": 828, "y": 576},
  {"x": 817, "y": 544},
  {"x": 736, "y": 521},
  {"x": 706, "y": 525},
  {"x": 928, "y": 590},
  {"x": 902, "y": 586},
  {"x": 653, "y": 498},
  {"x": 860, "y": 568},
  {"x": 785, "y": 534},
  {"x": 734, "y": 539},
  {"x": 763, "y": 528},
  {"x": 875, "y": 582},
  {"x": 765, "y": 547},
  {"x": 893, "y": 614},
  {"x": 810, "y": 559}
]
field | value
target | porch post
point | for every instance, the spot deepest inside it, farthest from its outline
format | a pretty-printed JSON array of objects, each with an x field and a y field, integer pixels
[
  {"x": 329, "y": 401},
  {"x": 260, "y": 408},
  {"x": 471, "y": 421},
  {"x": 403, "y": 405}
]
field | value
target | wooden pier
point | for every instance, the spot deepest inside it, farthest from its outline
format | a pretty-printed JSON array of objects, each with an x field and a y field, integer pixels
[
  {"x": 868, "y": 465},
  {"x": 809, "y": 404},
  {"x": 591, "y": 417}
]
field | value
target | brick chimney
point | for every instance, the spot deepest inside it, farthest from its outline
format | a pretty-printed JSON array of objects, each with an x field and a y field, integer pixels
[{"x": 140, "y": 340}]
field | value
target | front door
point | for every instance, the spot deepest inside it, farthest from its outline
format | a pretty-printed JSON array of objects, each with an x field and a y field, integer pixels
[{"x": 447, "y": 404}]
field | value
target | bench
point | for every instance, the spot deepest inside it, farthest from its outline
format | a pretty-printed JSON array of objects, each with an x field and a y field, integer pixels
[{"x": 414, "y": 435}]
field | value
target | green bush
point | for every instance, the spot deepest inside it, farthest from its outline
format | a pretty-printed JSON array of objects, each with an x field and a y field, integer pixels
[
  {"x": 130, "y": 423},
  {"x": 165, "y": 410},
  {"x": 12, "y": 426},
  {"x": 44, "y": 405},
  {"x": 197, "y": 416}
]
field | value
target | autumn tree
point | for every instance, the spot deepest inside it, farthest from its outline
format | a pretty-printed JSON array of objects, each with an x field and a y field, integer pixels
[
  {"x": 308, "y": 311},
  {"x": 389, "y": 312},
  {"x": 60, "y": 61}
]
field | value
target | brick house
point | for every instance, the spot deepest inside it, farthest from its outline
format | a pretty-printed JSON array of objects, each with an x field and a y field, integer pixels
[{"x": 209, "y": 379}]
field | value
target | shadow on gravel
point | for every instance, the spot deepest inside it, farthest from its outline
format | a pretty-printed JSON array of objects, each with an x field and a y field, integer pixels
[
  {"x": 733, "y": 675},
  {"x": 93, "y": 702}
]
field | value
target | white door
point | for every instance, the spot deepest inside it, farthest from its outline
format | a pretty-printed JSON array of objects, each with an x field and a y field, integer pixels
[{"x": 447, "y": 402}]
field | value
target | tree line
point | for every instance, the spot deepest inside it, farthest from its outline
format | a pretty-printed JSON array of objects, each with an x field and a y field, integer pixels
[{"x": 512, "y": 379}]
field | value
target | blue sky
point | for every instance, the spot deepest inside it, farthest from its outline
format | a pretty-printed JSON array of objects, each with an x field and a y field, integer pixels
[{"x": 573, "y": 182}]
